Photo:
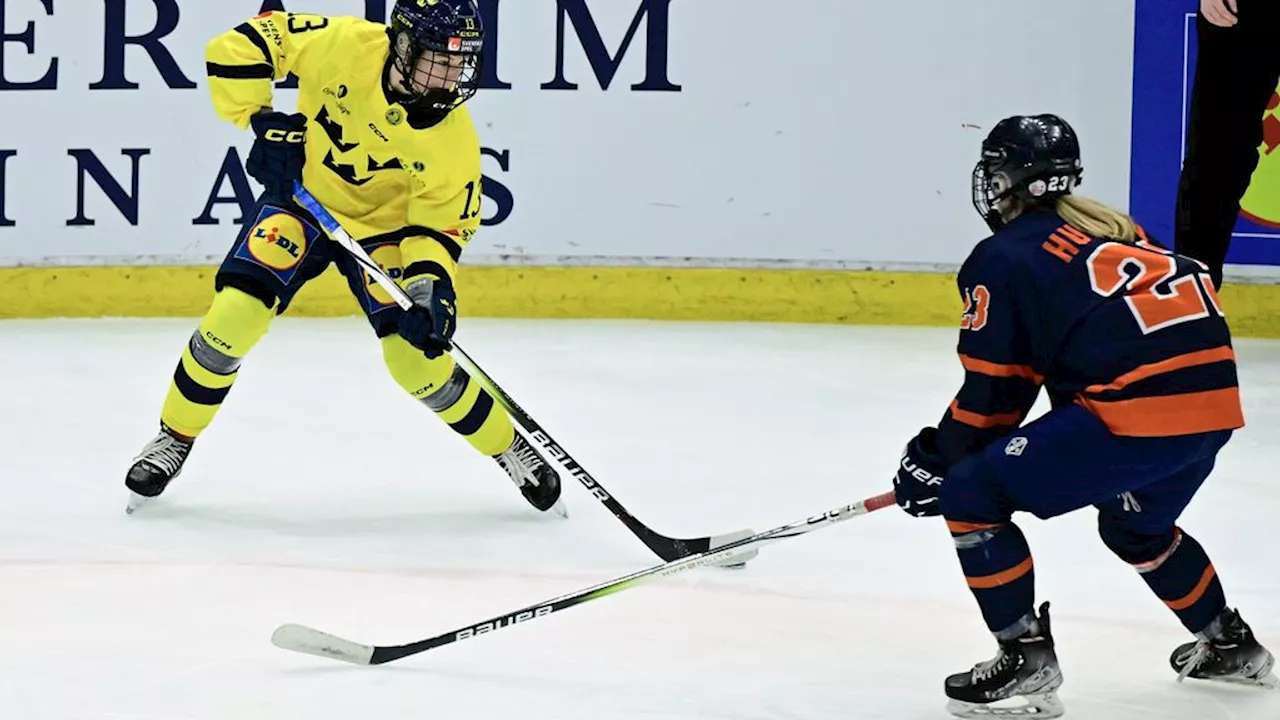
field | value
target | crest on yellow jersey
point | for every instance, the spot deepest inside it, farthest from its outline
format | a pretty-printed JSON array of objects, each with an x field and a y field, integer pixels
[{"x": 395, "y": 115}]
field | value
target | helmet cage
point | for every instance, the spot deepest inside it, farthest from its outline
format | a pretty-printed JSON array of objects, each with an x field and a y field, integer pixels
[
  {"x": 454, "y": 41},
  {"x": 1031, "y": 183}
]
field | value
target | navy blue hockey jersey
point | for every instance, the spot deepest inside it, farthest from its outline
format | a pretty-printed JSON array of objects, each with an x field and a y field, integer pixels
[{"x": 1130, "y": 331}]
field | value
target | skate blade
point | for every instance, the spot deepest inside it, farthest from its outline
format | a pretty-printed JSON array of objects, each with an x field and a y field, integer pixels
[
  {"x": 1042, "y": 706},
  {"x": 560, "y": 509},
  {"x": 1267, "y": 682},
  {"x": 136, "y": 502}
]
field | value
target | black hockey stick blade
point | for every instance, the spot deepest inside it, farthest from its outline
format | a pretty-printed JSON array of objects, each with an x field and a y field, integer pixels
[{"x": 300, "y": 638}]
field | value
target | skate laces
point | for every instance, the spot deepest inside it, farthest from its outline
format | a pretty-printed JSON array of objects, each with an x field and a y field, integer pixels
[
  {"x": 166, "y": 453},
  {"x": 521, "y": 461},
  {"x": 1193, "y": 658},
  {"x": 989, "y": 669}
]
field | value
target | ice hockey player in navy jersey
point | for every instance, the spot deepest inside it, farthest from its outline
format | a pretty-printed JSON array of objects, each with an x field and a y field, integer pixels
[{"x": 1130, "y": 343}]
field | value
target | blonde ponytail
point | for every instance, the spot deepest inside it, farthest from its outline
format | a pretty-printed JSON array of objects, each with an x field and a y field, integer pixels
[{"x": 1095, "y": 219}]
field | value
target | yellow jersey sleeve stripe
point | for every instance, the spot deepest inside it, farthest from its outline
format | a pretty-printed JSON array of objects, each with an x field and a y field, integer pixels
[
  {"x": 256, "y": 38},
  {"x": 239, "y": 72}
]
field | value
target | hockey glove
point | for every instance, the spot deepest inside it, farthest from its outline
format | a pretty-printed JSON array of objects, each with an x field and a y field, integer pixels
[
  {"x": 278, "y": 153},
  {"x": 920, "y": 475},
  {"x": 430, "y": 323}
]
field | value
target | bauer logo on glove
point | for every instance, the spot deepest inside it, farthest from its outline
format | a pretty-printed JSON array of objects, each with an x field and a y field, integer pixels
[
  {"x": 920, "y": 475},
  {"x": 918, "y": 472}
]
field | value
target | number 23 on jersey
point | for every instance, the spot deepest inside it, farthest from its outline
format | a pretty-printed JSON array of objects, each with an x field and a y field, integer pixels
[{"x": 1146, "y": 276}]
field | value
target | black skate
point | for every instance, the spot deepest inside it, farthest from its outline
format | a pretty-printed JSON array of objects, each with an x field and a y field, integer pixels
[
  {"x": 538, "y": 481},
  {"x": 1226, "y": 651},
  {"x": 1020, "y": 681},
  {"x": 156, "y": 466}
]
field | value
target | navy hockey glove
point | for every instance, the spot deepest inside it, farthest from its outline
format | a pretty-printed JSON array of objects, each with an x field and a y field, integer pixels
[
  {"x": 920, "y": 475},
  {"x": 430, "y": 323},
  {"x": 278, "y": 153}
]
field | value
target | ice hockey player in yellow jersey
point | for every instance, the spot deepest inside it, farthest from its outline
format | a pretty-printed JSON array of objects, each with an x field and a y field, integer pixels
[{"x": 382, "y": 140}]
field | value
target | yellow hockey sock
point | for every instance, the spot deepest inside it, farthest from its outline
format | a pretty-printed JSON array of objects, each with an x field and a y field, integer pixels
[
  {"x": 449, "y": 391},
  {"x": 211, "y": 360}
]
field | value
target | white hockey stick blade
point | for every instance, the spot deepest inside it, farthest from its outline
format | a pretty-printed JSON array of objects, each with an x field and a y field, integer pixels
[
  {"x": 300, "y": 638},
  {"x": 734, "y": 562}
]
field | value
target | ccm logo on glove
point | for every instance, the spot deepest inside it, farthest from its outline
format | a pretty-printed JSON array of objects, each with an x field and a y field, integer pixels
[{"x": 292, "y": 136}]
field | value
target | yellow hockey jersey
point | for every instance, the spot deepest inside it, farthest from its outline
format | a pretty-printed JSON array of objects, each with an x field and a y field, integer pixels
[{"x": 375, "y": 173}]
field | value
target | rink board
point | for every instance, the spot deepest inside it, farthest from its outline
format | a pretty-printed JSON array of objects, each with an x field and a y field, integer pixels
[
  {"x": 617, "y": 134},
  {"x": 811, "y": 296}
]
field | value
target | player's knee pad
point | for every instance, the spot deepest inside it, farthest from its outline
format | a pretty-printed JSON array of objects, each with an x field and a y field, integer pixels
[
  {"x": 421, "y": 377},
  {"x": 1136, "y": 547},
  {"x": 234, "y": 323}
]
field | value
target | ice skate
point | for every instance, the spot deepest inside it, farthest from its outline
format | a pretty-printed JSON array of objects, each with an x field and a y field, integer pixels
[
  {"x": 1020, "y": 681},
  {"x": 1226, "y": 652},
  {"x": 538, "y": 482},
  {"x": 155, "y": 467}
]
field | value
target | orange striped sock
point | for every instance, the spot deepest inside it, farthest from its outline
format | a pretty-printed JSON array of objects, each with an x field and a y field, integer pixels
[
  {"x": 1185, "y": 579},
  {"x": 998, "y": 567}
]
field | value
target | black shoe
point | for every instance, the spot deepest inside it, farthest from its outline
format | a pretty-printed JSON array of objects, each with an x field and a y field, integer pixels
[
  {"x": 1024, "y": 672},
  {"x": 1226, "y": 650},
  {"x": 157, "y": 465},
  {"x": 538, "y": 482}
]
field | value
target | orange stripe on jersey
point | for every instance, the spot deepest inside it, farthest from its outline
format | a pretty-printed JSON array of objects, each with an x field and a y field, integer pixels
[
  {"x": 979, "y": 420},
  {"x": 1196, "y": 593},
  {"x": 1178, "y": 362},
  {"x": 967, "y": 527},
  {"x": 1166, "y": 415},
  {"x": 986, "y": 582},
  {"x": 973, "y": 364}
]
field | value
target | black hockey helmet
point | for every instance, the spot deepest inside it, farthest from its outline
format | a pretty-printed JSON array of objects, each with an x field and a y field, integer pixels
[
  {"x": 449, "y": 27},
  {"x": 1039, "y": 157}
]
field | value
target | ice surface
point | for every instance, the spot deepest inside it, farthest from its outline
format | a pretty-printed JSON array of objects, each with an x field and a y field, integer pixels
[{"x": 323, "y": 495}]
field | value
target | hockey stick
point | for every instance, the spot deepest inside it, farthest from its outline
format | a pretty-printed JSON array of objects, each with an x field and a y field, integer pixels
[
  {"x": 300, "y": 638},
  {"x": 667, "y": 548}
]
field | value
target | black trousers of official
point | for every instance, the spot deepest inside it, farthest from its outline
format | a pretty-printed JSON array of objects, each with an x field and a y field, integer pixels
[{"x": 1237, "y": 70}]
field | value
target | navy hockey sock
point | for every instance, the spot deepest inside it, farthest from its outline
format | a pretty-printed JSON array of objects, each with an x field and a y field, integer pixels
[
  {"x": 1176, "y": 568},
  {"x": 997, "y": 564}
]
